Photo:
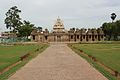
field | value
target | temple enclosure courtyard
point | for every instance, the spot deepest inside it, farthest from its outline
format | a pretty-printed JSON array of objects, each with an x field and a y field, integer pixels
[
  {"x": 58, "y": 62},
  {"x": 82, "y": 44}
]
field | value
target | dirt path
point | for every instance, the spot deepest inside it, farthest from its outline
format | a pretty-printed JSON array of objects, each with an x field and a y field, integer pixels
[{"x": 58, "y": 62}]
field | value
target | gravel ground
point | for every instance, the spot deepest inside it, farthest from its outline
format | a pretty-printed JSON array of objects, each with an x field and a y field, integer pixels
[{"x": 58, "y": 62}]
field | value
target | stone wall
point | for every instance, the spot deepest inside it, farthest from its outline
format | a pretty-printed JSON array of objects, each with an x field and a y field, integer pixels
[{"x": 79, "y": 35}]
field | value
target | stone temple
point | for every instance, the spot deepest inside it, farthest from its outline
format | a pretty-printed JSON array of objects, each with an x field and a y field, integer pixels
[{"x": 59, "y": 34}]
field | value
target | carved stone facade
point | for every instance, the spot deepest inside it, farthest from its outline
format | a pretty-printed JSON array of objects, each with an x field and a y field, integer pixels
[{"x": 59, "y": 34}]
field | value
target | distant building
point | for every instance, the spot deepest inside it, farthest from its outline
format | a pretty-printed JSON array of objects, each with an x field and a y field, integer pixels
[
  {"x": 6, "y": 37},
  {"x": 59, "y": 34}
]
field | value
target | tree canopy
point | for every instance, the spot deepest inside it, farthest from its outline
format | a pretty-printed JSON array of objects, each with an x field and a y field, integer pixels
[
  {"x": 39, "y": 29},
  {"x": 111, "y": 30},
  {"x": 26, "y": 29},
  {"x": 13, "y": 20}
]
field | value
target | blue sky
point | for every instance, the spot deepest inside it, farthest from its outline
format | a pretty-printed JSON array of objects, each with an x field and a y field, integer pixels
[{"x": 74, "y": 13}]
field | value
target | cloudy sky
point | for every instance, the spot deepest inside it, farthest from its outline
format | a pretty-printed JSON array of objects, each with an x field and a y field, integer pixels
[{"x": 74, "y": 13}]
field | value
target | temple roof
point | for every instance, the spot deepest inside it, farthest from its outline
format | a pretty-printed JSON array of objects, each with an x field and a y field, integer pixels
[{"x": 58, "y": 24}]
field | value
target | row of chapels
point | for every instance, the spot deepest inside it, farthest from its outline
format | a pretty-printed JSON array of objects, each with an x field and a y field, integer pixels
[{"x": 59, "y": 34}]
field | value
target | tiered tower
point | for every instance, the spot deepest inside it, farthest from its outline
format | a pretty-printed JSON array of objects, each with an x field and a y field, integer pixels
[{"x": 59, "y": 26}]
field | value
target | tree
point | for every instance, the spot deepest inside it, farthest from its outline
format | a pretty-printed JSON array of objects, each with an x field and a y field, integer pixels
[
  {"x": 39, "y": 29},
  {"x": 111, "y": 30},
  {"x": 13, "y": 20},
  {"x": 118, "y": 26},
  {"x": 107, "y": 28},
  {"x": 26, "y": 29},
  {"x": 113, "y": 16}
]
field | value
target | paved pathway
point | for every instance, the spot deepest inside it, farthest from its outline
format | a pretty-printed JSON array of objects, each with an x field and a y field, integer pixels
[{"x": 58, "y": 62}]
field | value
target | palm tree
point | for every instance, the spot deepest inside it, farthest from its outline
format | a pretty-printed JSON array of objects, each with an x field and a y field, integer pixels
[{"x": 113, "y": 16}]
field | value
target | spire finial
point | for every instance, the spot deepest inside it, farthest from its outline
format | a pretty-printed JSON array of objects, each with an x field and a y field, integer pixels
[{"x": 58, "y": 19}]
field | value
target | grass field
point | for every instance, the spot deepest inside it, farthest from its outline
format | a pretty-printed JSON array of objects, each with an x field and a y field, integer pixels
[
  {"x": 108, "y": 54},
  {"x": 11, "y": 54}
]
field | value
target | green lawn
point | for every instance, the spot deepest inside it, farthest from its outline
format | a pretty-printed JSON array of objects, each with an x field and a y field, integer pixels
[
  {"x": 108, "y": 54},
  {"x": 11, "y": 54}
]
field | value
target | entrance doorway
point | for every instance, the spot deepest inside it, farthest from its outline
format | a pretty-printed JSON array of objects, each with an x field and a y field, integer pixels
[
  {"x": 58, "y": 38},
  {"x": 33, "y": 37}
]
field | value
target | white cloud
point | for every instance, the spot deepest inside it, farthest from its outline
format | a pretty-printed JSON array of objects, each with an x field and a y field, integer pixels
[{"x": 75, "y": 13}]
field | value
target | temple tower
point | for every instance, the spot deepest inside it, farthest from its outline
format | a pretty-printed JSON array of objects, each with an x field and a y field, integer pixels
[{"x": 59, "y": 26}]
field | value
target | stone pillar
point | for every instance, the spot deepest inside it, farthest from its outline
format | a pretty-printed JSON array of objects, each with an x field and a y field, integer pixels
[
  {"x": 89, "y": 37},
  {"x": 72, "y": 37},
  {"x": 77, "y": 38},
  {"x": 36, "y": 38},
  {"x": 101, "y": 37},
  {"x": 95, "y": 37},
  {"x": 39, "y": 38},
  {"x": 83, "y": 38}
]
